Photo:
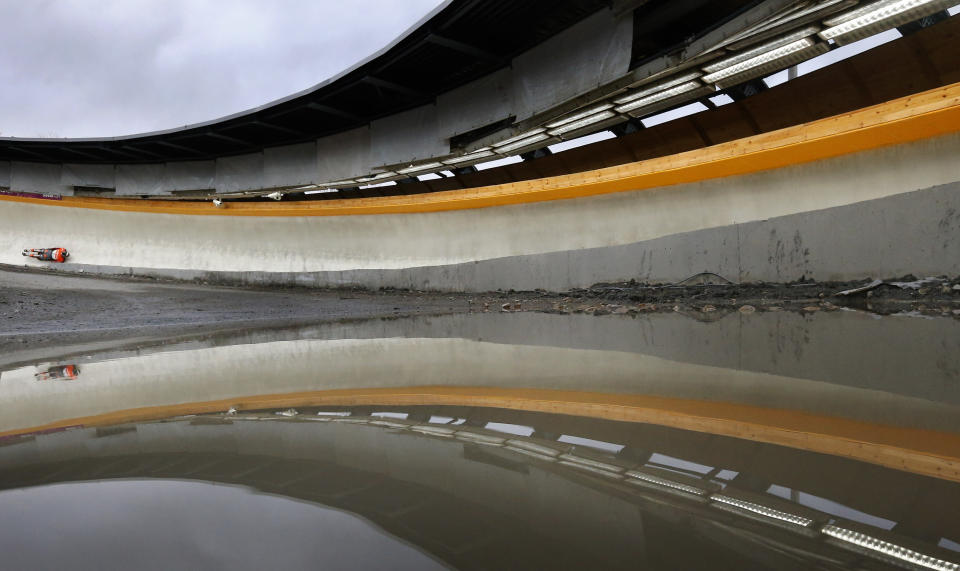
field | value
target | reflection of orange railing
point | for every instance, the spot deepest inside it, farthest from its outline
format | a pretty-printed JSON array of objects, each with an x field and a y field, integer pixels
[
  {"x": 920, "y": 116},
  {"x": 926, "y": 452}
]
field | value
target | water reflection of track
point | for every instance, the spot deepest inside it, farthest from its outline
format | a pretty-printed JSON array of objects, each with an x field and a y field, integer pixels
[
  {"x": 470, "y": 495},
  {"x": 920, "y": 358},
  {"x": 779, "y": 378}
]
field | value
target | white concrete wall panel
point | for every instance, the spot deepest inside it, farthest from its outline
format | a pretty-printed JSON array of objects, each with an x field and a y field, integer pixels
[
  {"x": 345, "y": 155},
  {"x": 137, "y": 180},
  {"x": 102, "y": 176},
  {"x": 243, "y": 172},
  {"x": 190, "y": 175},
  {"x": 407, "y": 137},
  {"x": 37, "y": 177},
  {"x": 592, "y": 53},
  {"x": 481, "y": 102},
  {"x": 5, "y": 174},
  {"x": 290, "y": 165}
]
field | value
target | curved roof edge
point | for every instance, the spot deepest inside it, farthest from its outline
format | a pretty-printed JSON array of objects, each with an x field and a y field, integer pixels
[
  {"x": 474, "y": 81},
  {"x": 455, "y": 43},
  {"x": 253, "y": 110}
]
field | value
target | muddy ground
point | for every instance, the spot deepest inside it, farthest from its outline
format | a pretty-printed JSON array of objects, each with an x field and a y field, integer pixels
[
  {"x": 43, "y": 308},
  {"x": 933, "y": 296}
]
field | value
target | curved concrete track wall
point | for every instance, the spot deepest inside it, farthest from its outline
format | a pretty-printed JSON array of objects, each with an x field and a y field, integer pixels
[{"x": 874, "y": 192}]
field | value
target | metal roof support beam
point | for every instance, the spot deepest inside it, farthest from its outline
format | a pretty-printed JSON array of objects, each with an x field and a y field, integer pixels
[
  {"x": 336, "y": 112},
  {"x": 31, "y": 153},
  {"x": 464, "y": 48},
  {"x": 376, "y": 81},
  {"x": 228, "y": 138},
  {"x": 143, "y": 151},
  {"x": 179, "y": 147},
  {"x": 276, "y": 127},
  {"x": 463, "y": 10},
  {"x": 80, "y": 153},
  {"x": 113, "y": 151}
]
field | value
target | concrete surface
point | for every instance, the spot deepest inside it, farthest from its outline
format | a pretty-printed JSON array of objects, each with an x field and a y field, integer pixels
[{"x": 837, "y": 219}]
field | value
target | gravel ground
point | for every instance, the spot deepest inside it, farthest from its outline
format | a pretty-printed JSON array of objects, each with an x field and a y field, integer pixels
[{"x": 933, "y": 296}]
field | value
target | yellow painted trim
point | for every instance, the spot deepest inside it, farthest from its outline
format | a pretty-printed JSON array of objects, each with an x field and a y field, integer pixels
[
  {"x": 925, "y": 452},
  {"x": 916, "y": 117}
]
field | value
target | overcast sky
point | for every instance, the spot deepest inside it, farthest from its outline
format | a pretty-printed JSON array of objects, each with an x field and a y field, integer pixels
[{"x": 88, "y": 68}]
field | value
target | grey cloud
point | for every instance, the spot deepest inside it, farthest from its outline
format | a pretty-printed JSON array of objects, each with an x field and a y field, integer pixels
[{"x": 85, "y": 68}]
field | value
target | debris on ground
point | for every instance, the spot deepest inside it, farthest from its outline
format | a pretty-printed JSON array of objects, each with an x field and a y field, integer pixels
[
  {"x": 861, "y": 289},
  {"x": 32, "y": 312},
  {"x": 917, "y": 284},
  {"x": 704, "y": 278},
  {"x": 883, "y": 296}
]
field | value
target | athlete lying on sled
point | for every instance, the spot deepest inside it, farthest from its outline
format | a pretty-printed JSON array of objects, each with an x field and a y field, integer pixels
[
  {"x": 47, "y": 254},
  {"x": 58, "y": 373}
]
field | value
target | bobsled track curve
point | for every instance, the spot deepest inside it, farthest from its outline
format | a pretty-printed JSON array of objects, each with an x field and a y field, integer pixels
[{"x": 874, "y": 192}]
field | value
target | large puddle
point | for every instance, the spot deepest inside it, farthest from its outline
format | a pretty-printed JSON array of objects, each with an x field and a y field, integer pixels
[{"x": 493, "y": 441}]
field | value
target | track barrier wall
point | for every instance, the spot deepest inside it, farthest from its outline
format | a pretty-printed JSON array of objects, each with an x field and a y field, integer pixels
[{"x": 874, "y": 192}]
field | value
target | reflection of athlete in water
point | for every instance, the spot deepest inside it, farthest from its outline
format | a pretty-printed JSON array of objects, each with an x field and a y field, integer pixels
[
  {"x": 47, "y": 254},
  {"x": 58, "y": 373}
]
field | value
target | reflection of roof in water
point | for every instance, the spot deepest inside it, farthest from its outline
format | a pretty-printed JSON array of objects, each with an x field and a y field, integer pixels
[{"x": 443, "y": 486}]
